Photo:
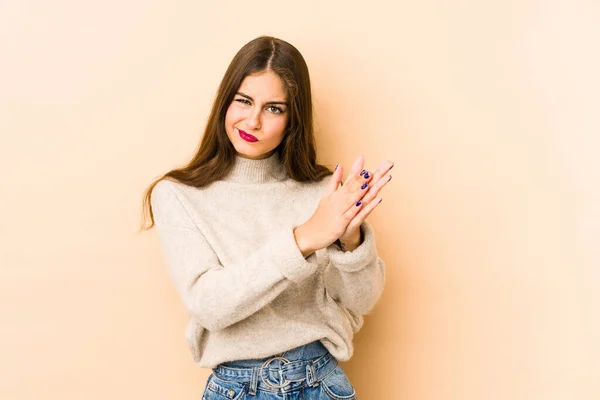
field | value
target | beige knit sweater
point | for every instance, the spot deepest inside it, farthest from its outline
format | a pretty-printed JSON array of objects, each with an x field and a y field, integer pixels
[{"x": 249, "y": 292}]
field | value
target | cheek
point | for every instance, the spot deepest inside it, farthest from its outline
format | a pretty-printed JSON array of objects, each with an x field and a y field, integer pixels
[
  {"x": 233, "y": 115},
  {"x": 279, "y": 125}
]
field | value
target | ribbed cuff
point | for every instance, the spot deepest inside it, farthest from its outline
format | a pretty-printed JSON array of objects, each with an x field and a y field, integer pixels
[
  {"x": 358, "y": 258},
  {"x": 289, "y": 258}
]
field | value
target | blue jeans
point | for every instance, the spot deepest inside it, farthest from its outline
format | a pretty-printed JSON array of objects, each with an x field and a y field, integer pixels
[{"x": 307, "y": 372}]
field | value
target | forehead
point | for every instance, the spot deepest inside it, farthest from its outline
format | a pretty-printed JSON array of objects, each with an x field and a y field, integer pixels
[{"x": 265, "y": 85}]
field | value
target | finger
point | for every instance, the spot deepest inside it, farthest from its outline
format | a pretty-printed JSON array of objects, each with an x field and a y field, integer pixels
[
  {"x": 358, "y": 186},
  {"x": 356, "y": 189},
  {"x": 356, "y": 168},
  {"x": 334, "y": 181},
  {"x": 376, "y": 187},
  {"x": 363, "y": 213},
  {"x": 371, "y": 177},
  {"x": 382, "y": 168},
  {"x": 378, "y": 180},
  {"x": 352, "y": 211}
]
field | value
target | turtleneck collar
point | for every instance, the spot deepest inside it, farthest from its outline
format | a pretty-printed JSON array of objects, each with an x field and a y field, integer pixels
[{"x": 246, "y": 170}]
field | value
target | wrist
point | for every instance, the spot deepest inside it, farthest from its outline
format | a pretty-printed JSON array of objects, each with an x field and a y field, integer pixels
[
  {"x": 303, "y": 242},
  {"x": 347, "y": 245},
  {"x": 350, "y": 243}
]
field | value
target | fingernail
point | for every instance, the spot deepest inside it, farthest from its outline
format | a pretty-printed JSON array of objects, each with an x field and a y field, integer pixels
[
  {"x": 358, "y": 203},
  {"x": 391, "y": 167},
  {"x": 363, "y": 172},
  {"x": 367, "y": 175},
  {"x": 390, "y": 178},
  {"x": 336, "y": 167},
  {"x": 364, "y": 186},
  {"x": 380, "y": 201}
]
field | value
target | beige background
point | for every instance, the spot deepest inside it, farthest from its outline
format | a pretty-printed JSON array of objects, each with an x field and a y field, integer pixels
[{"x": 490, "y": 226}]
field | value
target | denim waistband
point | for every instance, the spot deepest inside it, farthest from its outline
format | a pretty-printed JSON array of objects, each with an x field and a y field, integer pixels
[{"x": 310, "y": 362}]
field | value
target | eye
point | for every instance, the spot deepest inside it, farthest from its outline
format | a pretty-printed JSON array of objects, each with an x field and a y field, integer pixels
[
  {"x": 243, "y": 101},
  {"x": 275, "y": 110}
]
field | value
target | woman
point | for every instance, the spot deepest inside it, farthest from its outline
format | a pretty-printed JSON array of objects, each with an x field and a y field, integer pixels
[{"x": 273, "y": 260}]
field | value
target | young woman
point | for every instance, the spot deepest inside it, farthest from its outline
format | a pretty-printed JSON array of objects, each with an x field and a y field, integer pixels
[{"x": 273, "y": 259}]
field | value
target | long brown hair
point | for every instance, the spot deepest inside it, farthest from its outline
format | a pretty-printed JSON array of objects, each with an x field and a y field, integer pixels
[{"x": 216, "y": 155}]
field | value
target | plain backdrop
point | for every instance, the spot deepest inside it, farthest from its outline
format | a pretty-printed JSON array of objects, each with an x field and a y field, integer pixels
[{"x": 489, "y": 228}]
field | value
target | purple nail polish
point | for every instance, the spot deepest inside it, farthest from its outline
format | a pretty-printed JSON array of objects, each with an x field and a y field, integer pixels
[
  {"x": 336, "y": 167},
  {"x": 358, "y": 203},
  {"x": 391, "y": 167},
  {"x": 390, "y": 178},
  {"x": 364, "y": 186},
  {"x": 367, "y": 175},
  {"x": 363, "y": 172}
]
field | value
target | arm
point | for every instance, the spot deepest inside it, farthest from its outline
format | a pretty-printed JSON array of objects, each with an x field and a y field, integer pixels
[
  {"x": 216, "y": 296},
  {"x": 356, "y": 278}
]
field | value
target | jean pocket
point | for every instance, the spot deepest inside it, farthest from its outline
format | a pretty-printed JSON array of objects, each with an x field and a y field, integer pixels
[
  {"x": 337, "y": 386},
  {"x": 221, "y": 389}
]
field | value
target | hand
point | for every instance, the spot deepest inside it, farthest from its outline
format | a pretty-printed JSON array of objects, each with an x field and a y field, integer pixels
[
  {"x": 351, "y": 238},
  {"x": 337, "y": 207}
]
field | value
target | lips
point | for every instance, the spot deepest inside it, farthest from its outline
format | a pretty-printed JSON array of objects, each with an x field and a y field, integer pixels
[{"x": 247, "y": 137}]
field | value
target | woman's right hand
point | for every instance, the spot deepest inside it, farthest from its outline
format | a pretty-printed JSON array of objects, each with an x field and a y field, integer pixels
[{"x": 336, "y": 209}]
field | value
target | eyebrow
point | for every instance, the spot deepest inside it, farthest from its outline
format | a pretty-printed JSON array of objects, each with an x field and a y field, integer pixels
[{"x": 269, "y": 102}]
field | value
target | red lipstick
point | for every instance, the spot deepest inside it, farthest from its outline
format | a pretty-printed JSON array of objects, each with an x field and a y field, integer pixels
[{"x": 247, "y": 137}]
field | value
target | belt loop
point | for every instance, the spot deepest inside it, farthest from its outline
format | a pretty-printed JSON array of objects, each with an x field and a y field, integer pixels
[
  {"x": 311, "y": 374},
  {"x": 254, "y": 381}
]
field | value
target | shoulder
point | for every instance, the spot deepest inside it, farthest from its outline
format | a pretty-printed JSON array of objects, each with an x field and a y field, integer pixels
[
  {"x": 169, "y": 203},
  {"x": 165, "y": 191}
]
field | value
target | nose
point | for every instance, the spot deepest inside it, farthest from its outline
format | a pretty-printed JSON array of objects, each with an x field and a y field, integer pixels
[{"x": 254, "y": 121}]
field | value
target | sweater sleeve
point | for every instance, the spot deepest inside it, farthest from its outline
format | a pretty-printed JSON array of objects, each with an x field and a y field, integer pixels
[
  {"x": 216, "y": 296},
  {"x": 356, "y": 278}
]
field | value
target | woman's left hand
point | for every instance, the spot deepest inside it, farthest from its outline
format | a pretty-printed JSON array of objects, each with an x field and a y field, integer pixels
[{"x": 351, "y": 238}]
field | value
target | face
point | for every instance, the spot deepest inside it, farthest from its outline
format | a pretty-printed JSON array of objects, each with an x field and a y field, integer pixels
[{"x": 257, "y": 117}]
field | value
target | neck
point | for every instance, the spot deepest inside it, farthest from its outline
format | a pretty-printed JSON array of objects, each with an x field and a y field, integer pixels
[{"x": 247, "y": 170}]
